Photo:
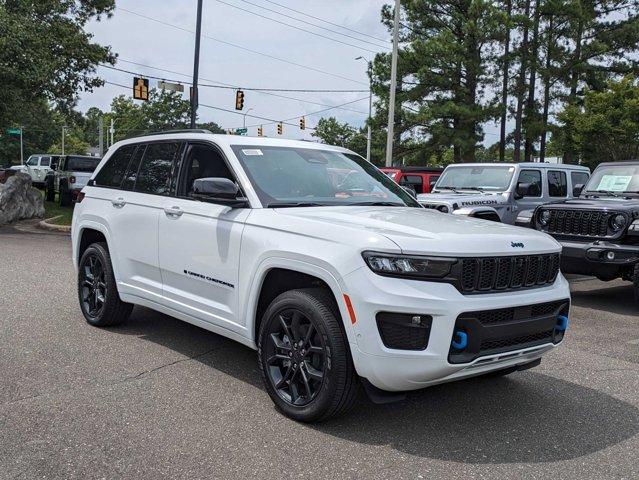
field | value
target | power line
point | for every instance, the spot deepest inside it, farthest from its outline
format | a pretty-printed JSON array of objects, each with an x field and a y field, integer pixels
[
  {"x": 336, "y": 75},
  {"x": 302, "y": 29},
  {"x": 260, "y": 91},
  {"x": 327, "y": 22}
]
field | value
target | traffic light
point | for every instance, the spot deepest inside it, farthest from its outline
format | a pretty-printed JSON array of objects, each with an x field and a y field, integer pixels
[
  {"x": 141, "y": 88},
  {"x": 260, "y": 131},
  {"x": 302, "y": 123},
  {"x": 239, "y": 100},
  {"x": 280, "y": 127}
]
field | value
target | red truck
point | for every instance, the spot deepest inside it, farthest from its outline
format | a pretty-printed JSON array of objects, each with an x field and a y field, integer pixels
[{"x": 419, "y": 179}]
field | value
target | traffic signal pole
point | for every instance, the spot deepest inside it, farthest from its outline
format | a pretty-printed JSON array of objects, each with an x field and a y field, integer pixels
[
  {"x": 196, "y": 64},
  {"x": 393, "y": 87}
]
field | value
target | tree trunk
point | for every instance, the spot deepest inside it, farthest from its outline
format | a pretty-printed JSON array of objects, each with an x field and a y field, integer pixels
[
  {"x": 504, "y": 86},
  {"x": 574, "y": 82},
  {"x": 521, "y": 84},
  {"x": 544, "y": 116},
  {"x": 530, "y": 103}
]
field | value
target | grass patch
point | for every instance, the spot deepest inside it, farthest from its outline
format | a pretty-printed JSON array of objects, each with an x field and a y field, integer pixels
[{"x": 53, "y": 209}]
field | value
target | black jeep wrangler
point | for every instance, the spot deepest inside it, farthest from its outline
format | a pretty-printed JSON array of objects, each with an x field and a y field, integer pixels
[{"x": 599, "y": 230}]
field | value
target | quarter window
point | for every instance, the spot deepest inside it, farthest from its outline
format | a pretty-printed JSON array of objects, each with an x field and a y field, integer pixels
[
  {"x": 112, "y": 173},
  {"x": 533, "y": 177},
  {"x": 557, "y": 184},
  {"x": 156, "y": 169}
]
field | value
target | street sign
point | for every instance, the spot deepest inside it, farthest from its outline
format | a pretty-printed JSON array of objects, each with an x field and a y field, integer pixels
[
  {"x": 14, "y": 131},
  {"x": 141, "y": 88},
  {"x": 174, "y": 87},
  {"x": 241, "y": 131}
]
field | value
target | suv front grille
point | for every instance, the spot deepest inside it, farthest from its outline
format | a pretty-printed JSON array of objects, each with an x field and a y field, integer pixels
[
  {"x": 587, "y": 223},
  {"x": 490, "y": 274}
]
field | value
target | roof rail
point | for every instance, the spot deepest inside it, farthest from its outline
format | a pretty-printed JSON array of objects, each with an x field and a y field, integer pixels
[{"x": 184, "y": 130}]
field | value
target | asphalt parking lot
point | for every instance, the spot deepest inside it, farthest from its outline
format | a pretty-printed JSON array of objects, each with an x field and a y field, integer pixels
[{"x": 158, "y": 398}]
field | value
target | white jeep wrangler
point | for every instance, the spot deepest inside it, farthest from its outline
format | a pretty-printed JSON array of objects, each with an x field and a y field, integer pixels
[{"x": 314, "y": 257}]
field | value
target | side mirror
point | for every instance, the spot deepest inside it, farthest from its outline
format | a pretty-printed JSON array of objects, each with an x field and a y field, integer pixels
[
  {"x": 218, "y": 190},
  {"x": 526, "y": 190},
  {"x": 410, "y": 191},
  {"x": 577, "y": 189}
]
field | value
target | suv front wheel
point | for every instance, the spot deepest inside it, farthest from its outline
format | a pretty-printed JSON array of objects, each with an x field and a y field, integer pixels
[
  {"x": 97, "y": 291},
  {"x": 304, "y": 356}
]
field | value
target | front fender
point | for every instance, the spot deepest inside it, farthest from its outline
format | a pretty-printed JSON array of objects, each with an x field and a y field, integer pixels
[{"x": 474, "y": 211}]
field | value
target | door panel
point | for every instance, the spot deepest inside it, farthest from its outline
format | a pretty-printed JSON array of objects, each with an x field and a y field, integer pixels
[{"x": 199, "y": 247}]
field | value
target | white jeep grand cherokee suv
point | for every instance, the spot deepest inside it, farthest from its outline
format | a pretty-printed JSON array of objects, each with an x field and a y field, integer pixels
[{"x": 318, "y": 260}]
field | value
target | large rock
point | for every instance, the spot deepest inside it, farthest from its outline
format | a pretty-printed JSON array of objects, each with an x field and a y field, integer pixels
[{"x": 19, "y": 200}]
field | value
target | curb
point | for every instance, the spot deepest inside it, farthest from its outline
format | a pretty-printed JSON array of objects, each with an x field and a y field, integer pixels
[{"x": 54, "y": 228}]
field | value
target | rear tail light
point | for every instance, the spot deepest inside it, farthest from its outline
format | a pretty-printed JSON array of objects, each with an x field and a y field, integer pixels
[
  {"x": 79, "y": 197},
  {"x": 72, "y": 180}
]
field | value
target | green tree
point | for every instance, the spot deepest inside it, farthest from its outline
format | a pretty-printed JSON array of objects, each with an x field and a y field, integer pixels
[
  {"x": 45, "y": 53},
  {"x": 73, "y": 145},
  {"x": 332, "y": 132},
  {"x": 607, "y": 127}
]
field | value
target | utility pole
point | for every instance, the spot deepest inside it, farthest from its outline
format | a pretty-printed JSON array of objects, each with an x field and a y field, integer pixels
[
  {"x": 21, "y": 147},
  {"x": 393, "y": 86},
  {"x": 101, "y": 136},
  {"x": 369, "y": 135},
  {"x": 112, "y": 130},
  {"x": 63, "y": 132},
  {"x": 196, "y": 64}
]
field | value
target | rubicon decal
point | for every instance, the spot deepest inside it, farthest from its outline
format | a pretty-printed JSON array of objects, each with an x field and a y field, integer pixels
[
  {"x": 479, "y": 202},
  {"x": 208, "y": 279}
]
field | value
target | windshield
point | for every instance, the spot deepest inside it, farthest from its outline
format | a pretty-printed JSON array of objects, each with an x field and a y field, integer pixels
[
  {"x": 289, "y": 176},
  {"x": 615, "y": 179},
  {"x": 82, "y": 164},
  {"x": 475, "y": 177}
]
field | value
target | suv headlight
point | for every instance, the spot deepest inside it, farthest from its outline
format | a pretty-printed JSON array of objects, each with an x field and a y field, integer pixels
[
  {"x": 544, "y": 217},
  {"x": 408, "y": 265},
  {"x": 617, "y": 222}
]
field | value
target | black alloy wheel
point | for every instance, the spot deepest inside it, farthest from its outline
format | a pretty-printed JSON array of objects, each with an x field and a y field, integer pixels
[
  {"x": 93, "y": 285},
  {"x": 295, "y": 357}
]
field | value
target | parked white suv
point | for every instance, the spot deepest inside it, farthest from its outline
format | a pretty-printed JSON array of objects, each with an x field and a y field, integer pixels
[{"x": 318, "y": 260}]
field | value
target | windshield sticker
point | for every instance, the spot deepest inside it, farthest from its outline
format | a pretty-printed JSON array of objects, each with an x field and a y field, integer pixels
[
  {"x": 614, "y": 183},
  {"x": 251, "y": 152}
]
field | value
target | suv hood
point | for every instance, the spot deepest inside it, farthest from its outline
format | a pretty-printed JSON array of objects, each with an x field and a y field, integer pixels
[
  {"x": 418, "y": 230},
  {"x": 463, "y": 200},
  {"x": 602, "y": 203}
]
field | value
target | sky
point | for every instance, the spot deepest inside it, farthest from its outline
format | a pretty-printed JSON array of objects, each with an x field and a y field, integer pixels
[{"x": 155, "y": 44}]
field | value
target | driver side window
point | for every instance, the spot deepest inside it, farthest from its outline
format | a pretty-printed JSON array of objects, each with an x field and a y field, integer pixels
[
  {"x": 203, "y": 162},
  {"x": 532, "y": 177}
]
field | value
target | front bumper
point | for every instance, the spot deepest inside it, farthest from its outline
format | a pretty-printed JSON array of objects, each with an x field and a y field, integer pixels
[
  {"x": 601, "y": 259},
  {"x": 401, "y": 370}
]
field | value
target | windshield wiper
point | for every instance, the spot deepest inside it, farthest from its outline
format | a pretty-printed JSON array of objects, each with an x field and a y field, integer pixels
[
  {"x": 454, "y": 189},
  {"x": 294, "y": 204},
  {"x": 607, "y": 192},
  {"x": 477, "y": 189},
  {"x": 379, "y": 204}
]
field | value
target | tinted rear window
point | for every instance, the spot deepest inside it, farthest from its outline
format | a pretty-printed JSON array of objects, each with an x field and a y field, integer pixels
[
  {"x": 112, "y": 173},
  {"x": 82, "y": 164},
  {"x": 155, "y": 171}
]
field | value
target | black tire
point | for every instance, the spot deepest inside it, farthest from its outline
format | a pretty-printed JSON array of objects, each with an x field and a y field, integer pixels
[
  {"x": 65, "y": 195},
  {"x": 107, "y": 309},
  {"x": 49, "y": 192},
  {"x": 339, "y": 386}
]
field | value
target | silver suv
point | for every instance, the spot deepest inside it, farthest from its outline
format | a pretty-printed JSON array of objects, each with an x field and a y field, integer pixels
[{"x": 503, "y": 192}]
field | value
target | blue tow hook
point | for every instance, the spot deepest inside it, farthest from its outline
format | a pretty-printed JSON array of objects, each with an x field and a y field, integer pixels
[
  {"x": 462, "y": 341},
  {"x": 562, "y": 323}
]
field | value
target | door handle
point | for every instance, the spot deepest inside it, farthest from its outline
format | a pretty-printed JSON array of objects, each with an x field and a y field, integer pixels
[
  {"x": 173, "y": 212},
  {"x": 118, "y": 202}
]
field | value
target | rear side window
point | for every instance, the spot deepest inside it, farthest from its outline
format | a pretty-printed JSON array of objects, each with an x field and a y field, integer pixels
[
  {"x": 414, "y": 182},
  {"x": 156, "y": 169},
  {"x": 534, "y": 178},
  {"x": 557, "y": 184},
  {"x": 579, "y": 178},
  {"x": 112, "y": 173},
  {"x": 45, "y": 161}
]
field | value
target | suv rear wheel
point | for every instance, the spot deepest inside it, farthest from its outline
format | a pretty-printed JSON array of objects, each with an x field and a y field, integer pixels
[
  {"x": 97, "y": 291},
  {"x": 304, "y": 357}
]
